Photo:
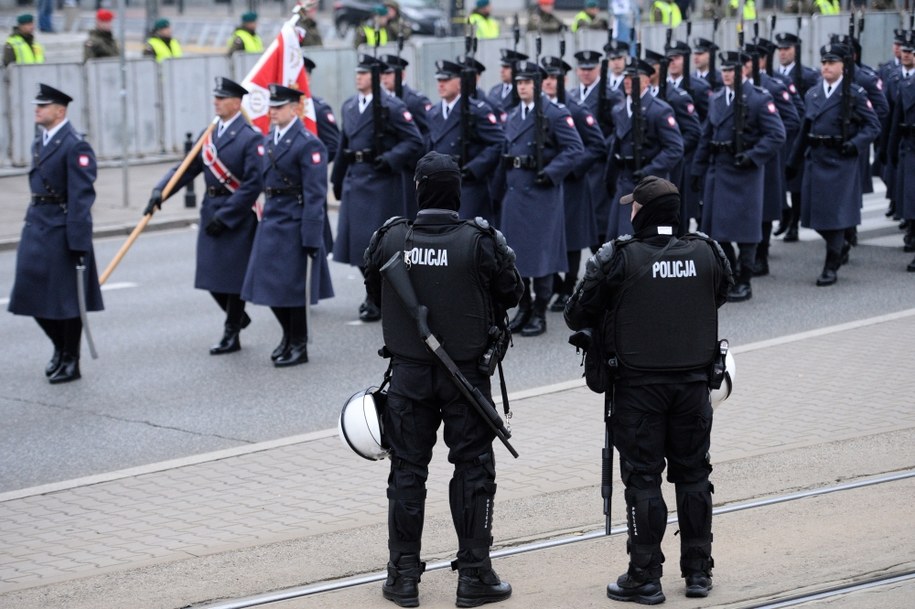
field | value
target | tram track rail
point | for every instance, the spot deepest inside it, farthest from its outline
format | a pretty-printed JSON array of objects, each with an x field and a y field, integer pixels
[{"x": 297, "y": 592}]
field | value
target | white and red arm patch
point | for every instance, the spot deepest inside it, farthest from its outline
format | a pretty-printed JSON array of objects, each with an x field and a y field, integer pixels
[
  {"x": 83, "y": 160},
  {"x": 407, "y": 116},
  {"x": 590, "y": 120},
  {"x": 260, "y": 150},
  {"x": 771, "y": 108},
  {"x": 570, "y": 122},
  {"x": 331, "y": 118},
  {"x": 671, "y": 121},
  {"x": 491, "y": 118},
  {"x": 315, "y": 158}
]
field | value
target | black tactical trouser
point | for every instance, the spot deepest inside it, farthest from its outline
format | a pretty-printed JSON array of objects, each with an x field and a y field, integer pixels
[
  {"x": 651, "y": 424},
  {"x": 420, "y": 397}
]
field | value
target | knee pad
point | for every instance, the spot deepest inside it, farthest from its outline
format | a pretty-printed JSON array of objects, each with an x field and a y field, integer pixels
[{"x": 471, "y": 493}]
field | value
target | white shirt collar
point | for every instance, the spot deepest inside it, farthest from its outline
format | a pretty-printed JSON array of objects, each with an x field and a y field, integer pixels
[
  {"x": 225, "y": 124},
  {"x": 834, "y": 86},
  {"x": 450, "y": 107},
  {"x": 49, "y": 134},
  {"x": 280, "y": 133}
]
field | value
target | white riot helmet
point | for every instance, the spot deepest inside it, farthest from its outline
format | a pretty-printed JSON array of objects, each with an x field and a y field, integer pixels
[
  {"x": 360, "y": 424},
  {"x": 727, "y": 384}
]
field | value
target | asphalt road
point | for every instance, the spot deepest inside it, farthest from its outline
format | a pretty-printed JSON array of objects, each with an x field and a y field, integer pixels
[{"x": 156, "y": 394}]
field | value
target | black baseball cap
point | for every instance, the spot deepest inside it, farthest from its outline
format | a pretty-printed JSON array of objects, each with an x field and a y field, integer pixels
[{"x": 649, "y": 189}]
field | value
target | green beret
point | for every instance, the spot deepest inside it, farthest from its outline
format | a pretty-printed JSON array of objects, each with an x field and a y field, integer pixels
[
  {"x": 380, "y": 9},
  {"x": 249, "y": 17},
  {"x": 24, "y": 18},
  {"x": 161, "y": 24},
  {"x": 591, "y": 4},
  {"x": 482, "y": 3}
]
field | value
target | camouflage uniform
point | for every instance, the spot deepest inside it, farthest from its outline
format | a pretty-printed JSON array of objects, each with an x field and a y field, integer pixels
[{"x": 100, "y": 44}]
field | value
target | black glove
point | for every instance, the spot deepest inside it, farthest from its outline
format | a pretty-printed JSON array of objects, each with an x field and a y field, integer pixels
[
  {"x": 381, "y": 165},
  {"x": 155, "y": 202},
  {"x": 80, "y": 254},
  {"x": 695, "y": 183},
  {"x": 849, "y": 149},
  {"x": 338, "y": 192},
  {"x": 543, "y": 180},
  {"x": 467, "y": 175},
  {"x": 216, "y": 227},
  {"x": 743, "y": 161},
  {"x": 638, "y": 174},
  {"x": 790, "y": 172},
  {"x": 311, "y": 251}
]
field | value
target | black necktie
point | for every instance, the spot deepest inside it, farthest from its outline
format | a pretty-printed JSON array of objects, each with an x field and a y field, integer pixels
[
  {"x": 445, "y": 112},
  {"x": 828, "y": 90},
  {"x": 730, "y": 97}
]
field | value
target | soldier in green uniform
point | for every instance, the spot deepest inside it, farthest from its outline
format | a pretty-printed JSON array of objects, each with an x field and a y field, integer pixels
[
  {"x": 244, "y": 38},
  {"x": 101, "y": 42},
  {"x": 541, "y": 18},
  {"x": 588, "y": 18},
  {"x": 390, "y": 24},
  {"x": 21, "y": 47},
  {"x": 312, "y": 37}
]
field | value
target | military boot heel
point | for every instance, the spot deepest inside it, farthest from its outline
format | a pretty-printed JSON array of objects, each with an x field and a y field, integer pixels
[
  {"x": 402, "y": 585},
  {"x": 629, "y": 588}
]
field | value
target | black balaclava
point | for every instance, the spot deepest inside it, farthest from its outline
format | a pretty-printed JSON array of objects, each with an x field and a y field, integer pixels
[
  {"x": 663, "y": 211},
  {"x": 438, "y": 182}
]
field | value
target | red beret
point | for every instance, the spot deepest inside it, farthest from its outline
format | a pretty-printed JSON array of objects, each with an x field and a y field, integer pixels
[{"x": 104, "y": 15}]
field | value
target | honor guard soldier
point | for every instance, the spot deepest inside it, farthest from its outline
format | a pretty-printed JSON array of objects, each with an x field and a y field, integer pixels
[
  {"x": 290, "y": 246},
  {"x": 829, "y": 146},
  {"x": 893, "y": 63},
  {"x": 101, "y": 42},
  {"x": 500, "y": 96},
  {"x": 367, "y": 170},
  {"x": 230, "y": 161},
  {"x": 804, "y": 79},
  {"x": 646, "y": 141},
  {"x": 245, "y": 38},
  {"x": 617, "y": 54},
  {"x": 312, "y": 36},
  {"x": 447, "y": 130},
  {"x": 328, "y": 131},
  {"x": 581, "y": 229},
  {"x": 463, "y": 272},
  {"x": 542, "y": 19},
  {"x": 894, "y": 76},
  {"x": 776, "y": 187},
  {"x": 702, "y": 54},
  {"x": 690, "y": 130},
  {"x": 652, "y": 303},
  {"x": 698, "y": 89},
  {"x": 901, "y": 142},
  {"x": 57, "y": 236},
  {"x": 730, "y": 160},
  {"x": 21, "y": 47},
  {"x": 534, "y": 166},
  {"x": 160, "y": 43},
  {"x": 588, "y": 94}
]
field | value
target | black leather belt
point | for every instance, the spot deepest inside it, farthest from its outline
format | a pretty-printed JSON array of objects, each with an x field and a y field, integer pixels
[
  {"x": 218, "y": 191},
  {"x": 625, "y": 162},
  {"x": 48, "y": 200},
  {"x": 279, "y": 192},
  {"x": 826, "y": 141},
  {"x": 519, "y": 162},
  {"x": 906, "y": 130},
  {"x": 716, "y": 147},
  {"x": 359, "y": 156}
]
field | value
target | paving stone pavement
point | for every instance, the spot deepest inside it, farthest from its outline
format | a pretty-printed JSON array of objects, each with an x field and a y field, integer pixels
[{"x": 819, "y": 386}]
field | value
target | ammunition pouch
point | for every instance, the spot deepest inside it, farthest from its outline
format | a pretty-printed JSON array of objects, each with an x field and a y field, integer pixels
[
  {"x": 600, "y": 366},
  {"x": 718, "y": 367},
  {"x": 499, "y": 341},
  {"x": 366, "y": 155}
]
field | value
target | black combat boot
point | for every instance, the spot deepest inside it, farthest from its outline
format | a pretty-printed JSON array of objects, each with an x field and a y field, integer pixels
[
  {"x": 829, "y": 276},
  {"x": 521, "y": 317},
  {"x": 536, "y": 325},
  {"x": 67, "y": 371},
  {"x": 369, "y": 311},
  {"x": 402, "y": 584},
  {"x": 911, "y": 266},
  {"x": 742, "y": 291},
  {"x": 480, "y": 585},
  {"x": 229, "y": 342},
  {"x": 698, "y": 585},
  {"x": 637, "y": 587}
]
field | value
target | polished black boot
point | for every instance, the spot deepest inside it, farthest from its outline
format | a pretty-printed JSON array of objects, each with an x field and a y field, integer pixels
[
  {"x": 296, "y": 354},
  {"x": 784, "y": 222},
  {"x": 368, "y": 311},
  {"x": 636, "y": 588},
  {"x": 761, "y": 265},
  {"x": 53, "y": 364},
  {"x": 829, "y": 275},
  {"x": 536, "y": 325},
  {"x": 911, "y": 267},
  {"x": 478, "y": 586},
  {"x": 67, "y": 371},
  {"x": 402, "y": 584},
  {"x": 281, "y": 348},
  {"x": 229, "y": 342},
  {"x": 521, "y": 317},
  {"x": 559, "y": 305}
]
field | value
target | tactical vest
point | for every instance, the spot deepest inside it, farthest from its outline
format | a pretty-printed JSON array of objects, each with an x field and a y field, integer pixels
[
  {"x": 485, "y": 27},
  {"x": 25, "y": 52},
  {"x": 369, "y": 31},
  {"x": 665, "y": 316},
  {"x": 252, "y": 42},
  {"x": 443, "y": 271},
  {"x": 164, "y": 51},
  {"x": 669, "y": 13}
]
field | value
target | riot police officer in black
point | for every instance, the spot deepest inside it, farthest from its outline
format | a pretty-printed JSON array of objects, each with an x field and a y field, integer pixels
[
  {"x": 464, "y": 273},
  {"x": 652, "y": 300}
]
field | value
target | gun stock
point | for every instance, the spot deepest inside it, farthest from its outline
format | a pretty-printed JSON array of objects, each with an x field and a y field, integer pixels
[
  {"x": 712, "y": 59},
  {"x": 561, "y": 78},
  {"x": 395, "y": 274},
  {"x": 848, "y": 76},
  {"x": 377, "y": 113},
  {"x": 398, "y": 71},
  {"x": 738, "y": 95},
  {"x": 638, "y": 127},
  {"x": 538, "y": 110},
  {"x": 516, "y": 36}
]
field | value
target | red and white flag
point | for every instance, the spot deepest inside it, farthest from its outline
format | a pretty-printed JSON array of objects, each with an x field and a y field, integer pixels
[{"x": 281, "y": 63}]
